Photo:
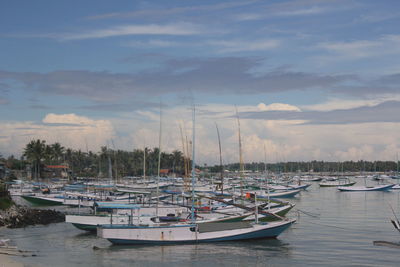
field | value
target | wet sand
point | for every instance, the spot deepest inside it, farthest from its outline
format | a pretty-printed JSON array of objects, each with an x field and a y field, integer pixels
[{"x": 7, "y": 261}]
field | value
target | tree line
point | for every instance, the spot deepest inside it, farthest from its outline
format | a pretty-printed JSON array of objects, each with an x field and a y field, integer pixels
[
  {"x": 105, "y": 163},
  {"x": 37, "y": 154},
  {"x": 315, "y": 166}
]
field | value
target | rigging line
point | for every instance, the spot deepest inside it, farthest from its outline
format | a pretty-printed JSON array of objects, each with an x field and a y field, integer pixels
[
  {"x": 315, "y": 215},
  {"x": 343, "y": 228}
]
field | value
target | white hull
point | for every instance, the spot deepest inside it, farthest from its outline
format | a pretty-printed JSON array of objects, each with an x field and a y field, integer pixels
[{"x": 189, "y": 233}]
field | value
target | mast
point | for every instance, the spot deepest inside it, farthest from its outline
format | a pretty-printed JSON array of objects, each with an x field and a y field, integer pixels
[
  {"x": 185, "y": 159},
  {"x": 115, "y": 162},
  {"x": 109, "y": 166},
  {"x": 159, "y": 161},
  {"x": 144, "y": 162},
  {"x": 266, "y": 179},
  {"x": 220, "y": 161},
  {"x": 240, "y": 156},
  {"x": 193, "y": 162}
]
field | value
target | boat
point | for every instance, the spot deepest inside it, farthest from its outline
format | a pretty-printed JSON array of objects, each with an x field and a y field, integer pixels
[
  {"x": 192, "y": 232},
  {"x": 119, "y": 213},
  {"x": 338, "y": 182},
  {"x": 365, "y": 188},
  {"x": 44, "y": 200},
  {"x": 262, "y": 195},
  {"x": 289, "y": 187}
]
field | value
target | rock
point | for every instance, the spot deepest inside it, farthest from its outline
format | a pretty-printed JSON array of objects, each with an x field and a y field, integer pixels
[{"x": 17, "y": 217}]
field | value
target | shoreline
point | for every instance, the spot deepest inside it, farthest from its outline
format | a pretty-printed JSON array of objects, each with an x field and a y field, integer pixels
[{"x": 7, "y": 261}]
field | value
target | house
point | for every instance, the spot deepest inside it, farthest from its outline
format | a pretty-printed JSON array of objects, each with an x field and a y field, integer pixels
[
  {"x": 56, "y": 171},
  {"x": 165, "y": 172}
]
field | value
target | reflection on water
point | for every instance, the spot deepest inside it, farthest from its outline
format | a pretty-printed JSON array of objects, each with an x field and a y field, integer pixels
[{"x": 333, "y": 229}]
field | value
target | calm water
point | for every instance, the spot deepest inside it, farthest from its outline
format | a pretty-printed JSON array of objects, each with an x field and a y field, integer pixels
[{"x": 333, "y": 229}]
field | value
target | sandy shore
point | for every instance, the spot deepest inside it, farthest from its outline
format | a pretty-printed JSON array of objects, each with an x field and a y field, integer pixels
[{"x": 6, "y": 261}]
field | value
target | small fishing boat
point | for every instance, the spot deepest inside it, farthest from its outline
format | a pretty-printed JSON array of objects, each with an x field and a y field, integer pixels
[
  {"x": 262, "y": 195},
  {"x": 191, "y": 233},
  {"x": 289, "y": 187},
  {"x": 120, "y": 213},
  {"x": 44, "y": 200},
  {"x": 338, "y": 182},
  {"x": 365, "y": 188}
]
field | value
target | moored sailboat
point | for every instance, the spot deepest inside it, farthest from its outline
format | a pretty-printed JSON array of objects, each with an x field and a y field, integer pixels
[{"x": 192, "y": 232}]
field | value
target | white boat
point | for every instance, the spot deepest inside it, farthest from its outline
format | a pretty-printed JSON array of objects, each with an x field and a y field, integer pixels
[
  {"x": 120, "y": 213},
  {"x": 336, "y": 183},
  {"x": 289, "y": 187},
  {"x": 190, "y": 233},
  {"x": 263, "y": 195},
  {"x": 365, "y": 188}
]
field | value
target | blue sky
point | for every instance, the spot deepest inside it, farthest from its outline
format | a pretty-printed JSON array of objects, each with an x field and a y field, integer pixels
[{"x": 311, "y": 79}]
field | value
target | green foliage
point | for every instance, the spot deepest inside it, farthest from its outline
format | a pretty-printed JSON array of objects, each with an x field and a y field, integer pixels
[
  {"x": 91, "y": 164},
  {"x": 5, "y": 199},
  {"x": 130, "y": 163}
]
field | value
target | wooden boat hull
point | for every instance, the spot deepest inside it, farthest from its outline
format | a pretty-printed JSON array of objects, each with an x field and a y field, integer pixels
[
  {"x": 43, "y": 201},
  {"x": 190, "y": 233},
  {"x": 336, "y": 184},
  {"x": 364, "y": 188}
]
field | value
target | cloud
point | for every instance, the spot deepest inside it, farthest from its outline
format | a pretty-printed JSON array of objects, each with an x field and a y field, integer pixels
[
  {"x": 351, "y": 50},
  {"x": 313, "y": 10},
  {"x": 152, "y": 43},
  {"x": 383, "y": 112},
  {"x": 214, "y": 75},
  {"x": 151, "y": 29},
  {"x": 240, "y": 46},
  {"x": 346, "y": 103},
  {"x": 383, "y": 86},
  {"x": 170, "y": 10},
  {"x": 277, "y": 106},
  {"x": 70, "y": 130}
]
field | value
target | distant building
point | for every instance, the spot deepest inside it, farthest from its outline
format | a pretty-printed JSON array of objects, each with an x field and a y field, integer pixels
[
  {"x": 56, "y": 171},
  {"x": 165, "y": 172}
]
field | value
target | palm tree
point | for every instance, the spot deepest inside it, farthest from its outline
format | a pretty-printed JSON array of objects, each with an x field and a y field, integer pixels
[
  {"x": 35, "y": 151},
  {"x": 58, "y": 151},
  {"x": 48, "y": 154}
]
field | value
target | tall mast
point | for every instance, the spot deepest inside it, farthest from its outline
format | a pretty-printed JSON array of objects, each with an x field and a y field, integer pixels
[
  {"x": 109, "y": 165},
  {"x": 265, "y": 160},
  {"x": 220, "y": 161},
  {"x": 115, "y": 162},
  {"x": 193, "y": 161},
  {"x": 144, "y": 162},
  {"x": 240, "y": 156},
  {"x": 185, "y": 159},
  {"x": 159, "y": 161}
]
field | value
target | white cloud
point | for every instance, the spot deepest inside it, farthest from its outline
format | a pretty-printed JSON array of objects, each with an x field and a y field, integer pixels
[
  {"x": 358, "y": 49},
  {"x": 70, "y": 130},
  {"x": 288, "y": 140},
  {"x": 123, "y": 30},
  {"x": 340, "y": 103},
  {"x": 277, "y": 106},
  {"x": 303, "y": 12},
  {"x": 239, "y": 46},
  {"x": 67, "y": 119}
]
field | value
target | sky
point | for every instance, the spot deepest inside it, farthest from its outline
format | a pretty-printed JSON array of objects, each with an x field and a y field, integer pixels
[{"x": 310, "y": 80}]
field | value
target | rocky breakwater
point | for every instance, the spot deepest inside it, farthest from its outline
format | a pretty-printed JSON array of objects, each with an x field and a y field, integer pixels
[{"x": 21, "y": 216}]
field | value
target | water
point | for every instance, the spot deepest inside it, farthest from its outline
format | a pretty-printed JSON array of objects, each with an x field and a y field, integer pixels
[{"x": 333, "y": 229}]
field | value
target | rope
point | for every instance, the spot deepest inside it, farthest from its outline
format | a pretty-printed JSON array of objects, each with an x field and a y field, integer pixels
[{"x": 314, "y": 215}]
